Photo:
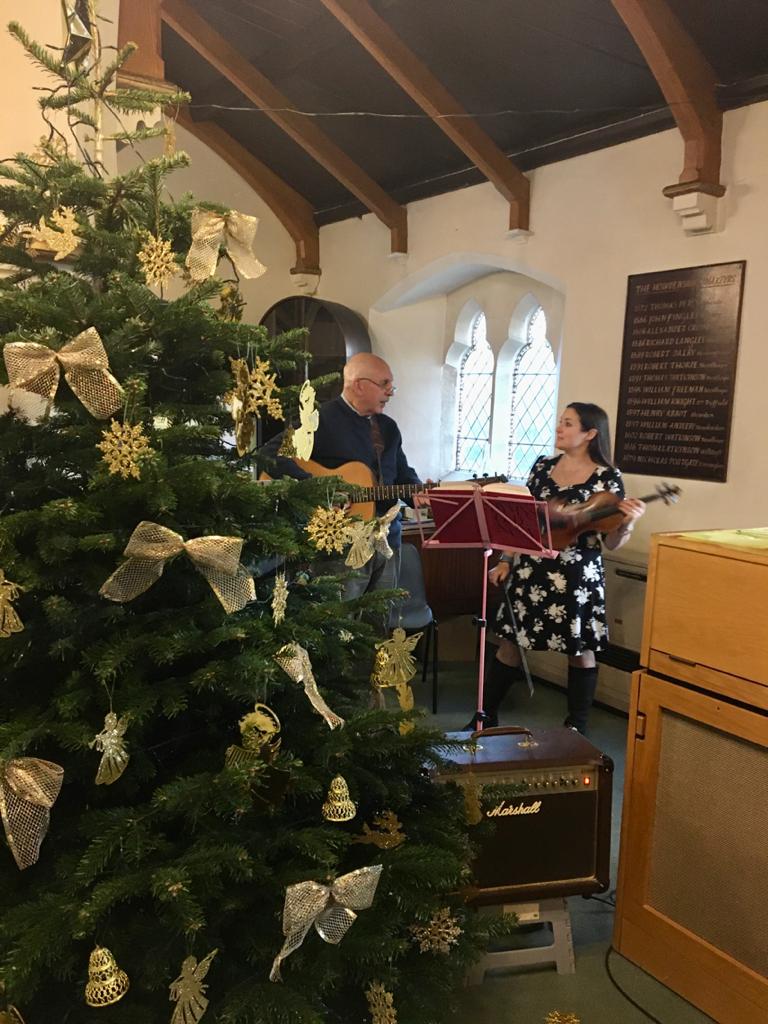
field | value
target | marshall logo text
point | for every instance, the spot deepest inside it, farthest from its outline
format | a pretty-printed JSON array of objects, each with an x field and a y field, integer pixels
[{"x": 503, "y": 809}]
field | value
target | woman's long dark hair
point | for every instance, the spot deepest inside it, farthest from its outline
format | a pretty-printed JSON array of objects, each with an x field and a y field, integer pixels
[{"x": 592, "y": 417}]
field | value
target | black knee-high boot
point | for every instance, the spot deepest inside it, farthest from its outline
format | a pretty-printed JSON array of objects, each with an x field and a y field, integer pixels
[
  {"x": 582, "y": 683},
  {"x": 498, "y": 682}
]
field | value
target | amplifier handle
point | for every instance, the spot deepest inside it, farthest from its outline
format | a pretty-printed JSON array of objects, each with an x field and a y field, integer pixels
[{"x": 502, "y": 730}]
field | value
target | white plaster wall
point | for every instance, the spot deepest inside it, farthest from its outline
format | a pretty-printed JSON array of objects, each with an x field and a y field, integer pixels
[
  {"x": 595, "y": 220},
  {"x": 20, "y": 123}
]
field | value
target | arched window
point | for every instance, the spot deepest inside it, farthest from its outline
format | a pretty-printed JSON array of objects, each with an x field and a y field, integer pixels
[
  {"x": 475, "y": 392},
  {"x": 534, "y": 394}
]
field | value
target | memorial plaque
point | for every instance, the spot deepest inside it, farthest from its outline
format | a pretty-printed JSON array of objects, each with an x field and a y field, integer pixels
[{"x": 678, "y": 368}]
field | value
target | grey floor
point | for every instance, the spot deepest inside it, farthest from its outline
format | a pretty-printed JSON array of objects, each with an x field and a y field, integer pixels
[{"x": 528, "y": 995}]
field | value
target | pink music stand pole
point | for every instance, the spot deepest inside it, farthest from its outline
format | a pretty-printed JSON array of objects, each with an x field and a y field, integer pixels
[{"x": 483, "y": 629}]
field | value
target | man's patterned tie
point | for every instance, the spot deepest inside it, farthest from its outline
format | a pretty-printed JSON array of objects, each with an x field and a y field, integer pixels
[{"x": 378, "y": 441}]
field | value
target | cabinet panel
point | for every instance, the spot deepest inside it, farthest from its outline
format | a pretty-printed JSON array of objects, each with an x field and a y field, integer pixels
[
  {"x": 706, "y": 606},
  {"x": 692, "y": 897}
]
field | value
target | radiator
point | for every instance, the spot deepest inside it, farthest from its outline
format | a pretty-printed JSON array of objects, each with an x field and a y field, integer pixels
[{"x": 625, "y": 597}]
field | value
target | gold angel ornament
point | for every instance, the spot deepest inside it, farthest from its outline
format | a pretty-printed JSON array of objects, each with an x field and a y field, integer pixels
[
  {"x": 399, "y": 666},
  {"x": 188, "y": 990},
  {"x": 9, "y": 620},
  {"x": 309, "y": 420},
  {"x": 109, "y": 742},
  {"x": 368, "y": 538},
  {"x": 260, "y": 730}
]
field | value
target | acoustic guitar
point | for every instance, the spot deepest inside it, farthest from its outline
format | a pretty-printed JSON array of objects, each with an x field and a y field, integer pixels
[
  {"x": 364, "y": 492},
  {"x": 568, "y": 521}
]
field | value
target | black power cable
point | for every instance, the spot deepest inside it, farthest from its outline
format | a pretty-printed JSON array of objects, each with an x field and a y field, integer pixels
[{"x": 618, "y": 987}]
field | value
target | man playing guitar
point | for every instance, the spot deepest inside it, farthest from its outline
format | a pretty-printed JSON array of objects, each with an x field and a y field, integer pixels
[{"x": 354, "y": 428}]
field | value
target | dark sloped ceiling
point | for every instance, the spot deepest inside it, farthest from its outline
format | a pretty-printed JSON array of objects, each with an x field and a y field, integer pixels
[{"x": 545, "y": 80}]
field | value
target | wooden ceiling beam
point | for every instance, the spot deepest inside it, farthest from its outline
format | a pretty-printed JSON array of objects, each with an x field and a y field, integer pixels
[
  {"x": 688, "y": 84},
  {"x": 385, "y": 46},
  {"x": 291, "y": 209},
  {"x": 139, "y": 22},
  {"x": 198, "y": 34}
]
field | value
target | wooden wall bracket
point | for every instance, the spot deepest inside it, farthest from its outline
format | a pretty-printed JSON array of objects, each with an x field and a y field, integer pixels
[{"x": 688, "y": 84}]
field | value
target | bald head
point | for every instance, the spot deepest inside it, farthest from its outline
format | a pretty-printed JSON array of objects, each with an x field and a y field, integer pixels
[{"x": 368, "y": 384}]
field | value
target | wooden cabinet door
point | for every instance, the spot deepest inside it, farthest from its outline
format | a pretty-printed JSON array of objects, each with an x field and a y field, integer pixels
[{"x": 692, "y": 901}]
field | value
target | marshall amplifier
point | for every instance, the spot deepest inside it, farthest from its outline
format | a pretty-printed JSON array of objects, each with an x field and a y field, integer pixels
[{"x": 542, "y": 804}]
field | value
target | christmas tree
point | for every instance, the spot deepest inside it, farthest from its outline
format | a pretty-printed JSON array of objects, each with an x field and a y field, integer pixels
[{"x": 199, "y": 802}]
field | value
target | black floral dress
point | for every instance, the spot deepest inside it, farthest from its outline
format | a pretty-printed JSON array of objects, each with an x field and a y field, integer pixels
[{"x": 559, "y": 603}]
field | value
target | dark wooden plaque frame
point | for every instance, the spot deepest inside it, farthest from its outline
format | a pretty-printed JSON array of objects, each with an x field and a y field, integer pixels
[{"x": 678, "y": 371}]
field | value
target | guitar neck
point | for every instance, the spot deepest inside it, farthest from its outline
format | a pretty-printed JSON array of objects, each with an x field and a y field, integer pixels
[{"x": 385, "y": 492}]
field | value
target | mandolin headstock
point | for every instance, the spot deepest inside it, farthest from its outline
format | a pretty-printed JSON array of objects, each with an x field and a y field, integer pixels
[
  {"x": 485, "y": 479},
  {"x": 669, "y": 493}
]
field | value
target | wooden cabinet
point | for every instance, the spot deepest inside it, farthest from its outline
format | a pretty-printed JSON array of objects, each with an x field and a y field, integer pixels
[
  {"x": 706, "y": 612},
  {"x": 692, "y": 898}
]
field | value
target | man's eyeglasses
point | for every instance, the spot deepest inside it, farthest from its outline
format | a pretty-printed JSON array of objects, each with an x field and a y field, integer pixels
[{"x": 385, "y": 385}]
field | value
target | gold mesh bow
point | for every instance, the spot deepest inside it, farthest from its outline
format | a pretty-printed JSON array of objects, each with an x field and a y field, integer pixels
[
  {"x": 37, "y": 368},
  {"x": 294, "y": 661},
  {"x": 235, "y": 231},
  {"x": 28, "y": 790},
  {"x": 150, "y": 547},
  {"x": 330, "y": 908}
]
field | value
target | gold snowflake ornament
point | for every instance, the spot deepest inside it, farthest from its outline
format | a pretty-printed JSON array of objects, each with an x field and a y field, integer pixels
[
  {"x": 439, "y": 934},
  {"x": 387, "y": 832},
  {"x": 48, "y": 153},
  {"x": 231, "y": 303},
  {"x": 555, "y": 1017},
  {"x": 327, "y": 529},
  {"x": 255, "y": 393},
  {"x": 157, "y": 261},
  {"x": 124, "y": 446},
  {"x": 380, "y": 1004},
  {"x": 262, "y": 391},
  {"x": 60, "y": 237},
  {"x": 279, "y": 598}
]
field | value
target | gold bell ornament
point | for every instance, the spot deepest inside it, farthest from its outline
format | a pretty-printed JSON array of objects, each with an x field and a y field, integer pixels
[
  {"x": 338, "y": 806},
  {"x": 107, "y": 984}
]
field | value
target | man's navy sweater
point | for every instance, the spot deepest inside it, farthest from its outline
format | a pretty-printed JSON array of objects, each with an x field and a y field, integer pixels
[{"x": 343, "y": 435}]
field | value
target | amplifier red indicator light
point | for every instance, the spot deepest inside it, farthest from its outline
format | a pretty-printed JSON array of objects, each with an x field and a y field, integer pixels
[{"x": 586, "y": 780}]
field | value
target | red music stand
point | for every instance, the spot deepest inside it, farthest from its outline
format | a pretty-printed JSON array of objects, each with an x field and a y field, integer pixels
[{"x": 493, "y": 521}]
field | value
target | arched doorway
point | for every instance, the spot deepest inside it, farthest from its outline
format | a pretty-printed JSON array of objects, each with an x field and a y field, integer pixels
[{"x": 335, "y": 334}]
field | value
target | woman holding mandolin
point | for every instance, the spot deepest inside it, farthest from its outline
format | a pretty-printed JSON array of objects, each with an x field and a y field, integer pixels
[{"x": 559, "y": 603}]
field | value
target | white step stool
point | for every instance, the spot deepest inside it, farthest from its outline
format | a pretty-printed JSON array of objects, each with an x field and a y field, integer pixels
[{"x": 558, "y": 952}]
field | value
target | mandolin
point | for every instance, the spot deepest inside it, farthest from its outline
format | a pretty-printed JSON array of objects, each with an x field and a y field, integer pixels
[
  {"x": 568, "y": 521},
  {"x": 364, "y": 492}
]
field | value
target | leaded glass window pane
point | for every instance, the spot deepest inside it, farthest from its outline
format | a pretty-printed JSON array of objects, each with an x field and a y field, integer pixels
[
  {"x": 534, "y": 394},
  {"x": 473, "y": 440}
]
